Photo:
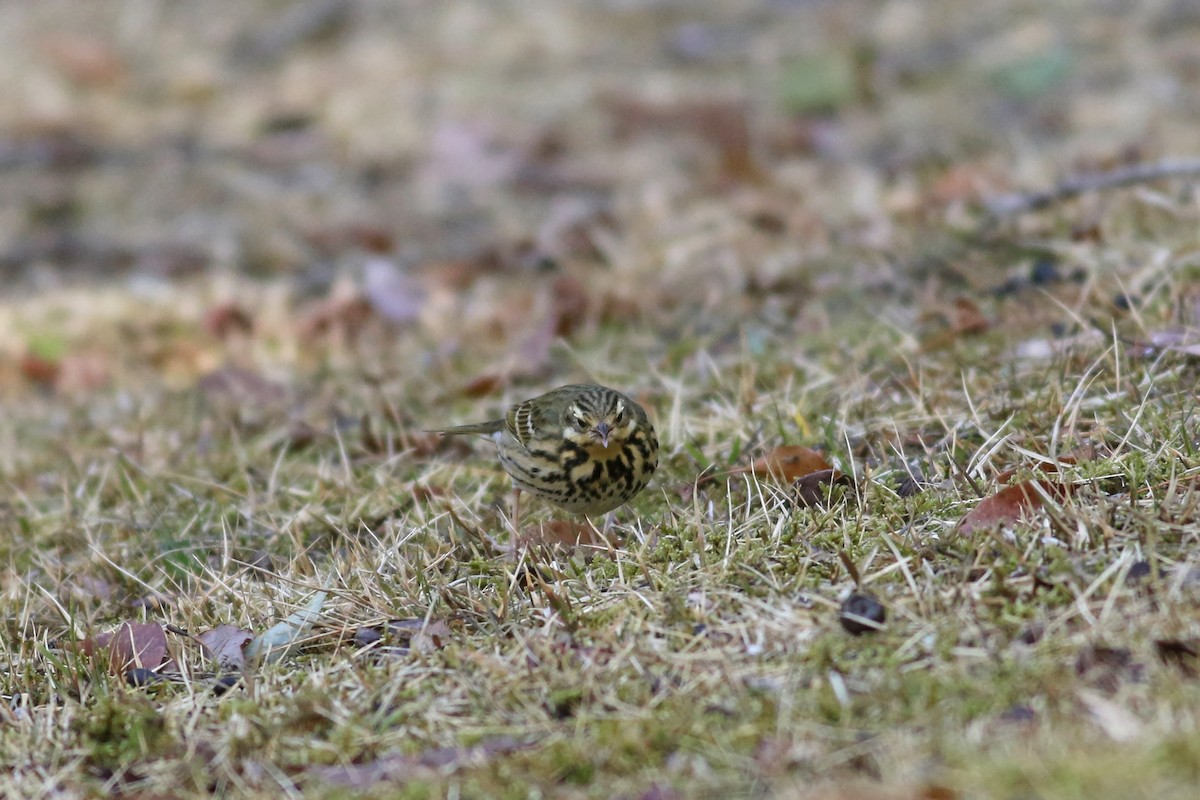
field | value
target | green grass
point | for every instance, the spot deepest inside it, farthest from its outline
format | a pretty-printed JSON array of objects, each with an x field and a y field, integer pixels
[{"x": 176, "y": 472}]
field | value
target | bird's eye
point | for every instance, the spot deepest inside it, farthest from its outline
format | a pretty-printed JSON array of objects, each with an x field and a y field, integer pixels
[{"x": 579, "y": 421}]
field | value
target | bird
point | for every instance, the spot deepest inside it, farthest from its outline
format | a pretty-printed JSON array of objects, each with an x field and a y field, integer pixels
[{"x": 585, "y": 448}]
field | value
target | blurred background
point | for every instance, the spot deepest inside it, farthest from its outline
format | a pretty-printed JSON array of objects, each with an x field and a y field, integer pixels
[{"x": 417, "y": 161}]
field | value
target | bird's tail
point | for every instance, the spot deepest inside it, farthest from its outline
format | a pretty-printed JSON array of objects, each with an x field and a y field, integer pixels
[{"x": 481, "y": 428}]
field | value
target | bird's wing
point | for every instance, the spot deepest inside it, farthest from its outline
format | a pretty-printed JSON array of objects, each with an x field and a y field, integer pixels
[{"x": 523, "y": 421}]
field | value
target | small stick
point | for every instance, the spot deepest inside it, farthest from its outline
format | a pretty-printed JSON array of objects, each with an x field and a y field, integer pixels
[{"x": 1007, "y": 205}]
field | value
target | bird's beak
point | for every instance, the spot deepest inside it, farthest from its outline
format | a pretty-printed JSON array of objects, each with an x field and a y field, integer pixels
[{"x": 603, "y": 430}]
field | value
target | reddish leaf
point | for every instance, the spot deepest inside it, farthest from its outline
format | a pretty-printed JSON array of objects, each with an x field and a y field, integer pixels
[
  {"x": 224, "y": 643},
  {"x": 484, "y": 384},
  {"x": 786, "y": 463},
  {"x": 226, "y": 319},
  {"x": 968, "y": 319},
  {"x": 83, "y": 59},
  {"x": 40, "y": 370},
  {"x": 1010, "y": 504},
  {"x": 137, "y": 644},
  {"x": 570, "y": 305}
]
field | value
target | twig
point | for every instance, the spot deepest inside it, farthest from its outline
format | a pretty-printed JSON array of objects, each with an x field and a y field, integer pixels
[{"x": 1008, "y": 205}]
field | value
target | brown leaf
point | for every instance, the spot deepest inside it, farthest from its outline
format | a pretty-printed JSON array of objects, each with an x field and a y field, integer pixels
[
  {"x": 1011, "y": 504},
  {"x": 226, "y": 319},
  {"x": 562, "y": 533},
  {"x": 785, "y": 463},
  {"x": 334, "y": 316},
  {"x": 137, "y": 644},
  {"x": 967, "y": 318},
  {"x": 85, "y": 60},
  {"x": 40, "y": 370},
  {"x": 723, "y": 124},
  {"x": 82, "y": 372},
  {"x": 430, "y": 636},
  {"x": 224, "y": 643},
  {"x": 570, "y": 304},
  {"x": 1041, "y": 466},
  {"x": 815, "y": 488},
  {"x": 485, "y": 384}
]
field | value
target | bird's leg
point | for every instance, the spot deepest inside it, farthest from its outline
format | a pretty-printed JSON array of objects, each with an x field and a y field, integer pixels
[{"x": 516, "y": 512}]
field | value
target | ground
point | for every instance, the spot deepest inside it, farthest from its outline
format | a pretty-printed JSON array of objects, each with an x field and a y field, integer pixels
[{"x": 253, "y": 251}]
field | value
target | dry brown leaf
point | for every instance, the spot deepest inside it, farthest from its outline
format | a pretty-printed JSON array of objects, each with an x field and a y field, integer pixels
[
  {"x": 224, "y": 643},
  {"x": 485, "y": 384},
  {"x": 132, "y": 644},
  {"x": 225, "y": 319},
  {"x": 83, "y": 372},
  {"x": 562, "y": 533},
  {"x": 39, "y": 370},
  {"x": 1041, "y": 466},
  {"x": 570, "y": 304},
  {"x": 785, "y": 463},
  {"x": 85, "y": 60},
  {"x": 1011, "y": 504},
  {"x": 968, "y": 319},
  {"x": 335, "y": 315},
  {"x": 814, "y": 489}
]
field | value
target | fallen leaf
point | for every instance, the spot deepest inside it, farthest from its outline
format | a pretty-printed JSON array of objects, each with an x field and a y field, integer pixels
[
  {"x": 39, "y": 370},
  {"x": 785, "y": 463},
  {"x": 570, "y": 304},
  {"x": 225, "y": 644},
  {"x": 723, "y": 124},
  {"x": 282, "y": 639},
  {"x": 1011, "y": 504},
  {"x": 968, "y": 319},
  {"x": 485, "y": 384},
  {"x": 84, "y": 60},
  {"x": 342, "y": 315},
  {"x": 1041, "y": 466},
  {"x": 223, "y": 320},
  {"x": 561, "y": 533},
  {"x": 816, "y": 488},
  {"x": 136, "y": 644}
]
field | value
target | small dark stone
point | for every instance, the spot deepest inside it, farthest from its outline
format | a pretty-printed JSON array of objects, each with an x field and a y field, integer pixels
[
  {"x": 862, "y": 613},
  {"x": 366, "y": 636},
  {"x": 1018, "y": 714},
  {"x": 1009, "y": 287},
  {"x": 1138, "y": 573},
  {"x": 1045, "y": 272},
  {"x": 910, "y": 487},
  {"x": 140, "y": 676},
  {"x": 224, "y": 683},
  {"x": 1031, "y": 634}
]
